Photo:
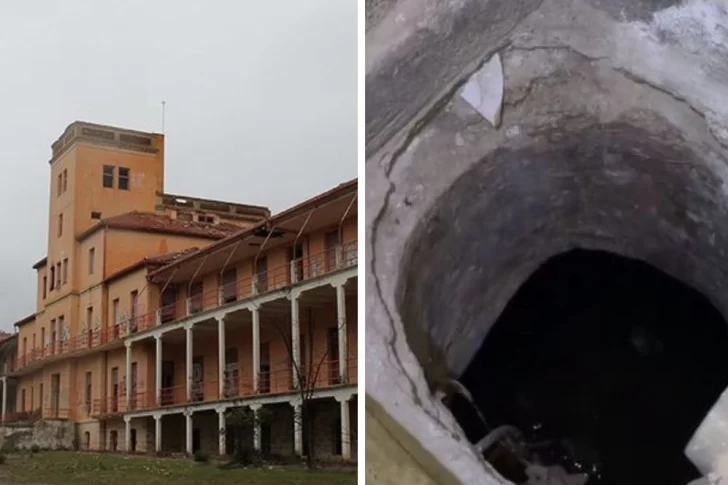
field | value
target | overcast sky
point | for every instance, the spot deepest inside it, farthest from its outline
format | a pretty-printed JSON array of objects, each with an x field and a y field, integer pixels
[{"x": 261, "y": 102}]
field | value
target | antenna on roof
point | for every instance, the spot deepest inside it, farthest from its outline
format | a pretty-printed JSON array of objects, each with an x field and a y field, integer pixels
[{"x": 164, "y": 106}]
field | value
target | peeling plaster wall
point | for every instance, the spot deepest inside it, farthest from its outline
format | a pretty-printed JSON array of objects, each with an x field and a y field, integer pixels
[
  {"x": 613, "y": 136},
  {"x": 47, "y": 435}
]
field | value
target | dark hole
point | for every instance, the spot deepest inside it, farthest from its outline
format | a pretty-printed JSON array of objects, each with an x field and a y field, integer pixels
[{"x": 607, "y": 361}]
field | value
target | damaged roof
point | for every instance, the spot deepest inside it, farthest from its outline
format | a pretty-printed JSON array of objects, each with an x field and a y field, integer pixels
[{"x": 160, "y": 223}]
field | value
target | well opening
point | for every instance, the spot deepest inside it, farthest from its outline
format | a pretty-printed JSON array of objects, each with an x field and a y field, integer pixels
[
  {"x": 607, "y": 366},
  {"x": 636, "y": 188}
]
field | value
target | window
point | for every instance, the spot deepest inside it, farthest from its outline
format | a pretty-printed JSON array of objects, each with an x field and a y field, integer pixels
[
  {"x": 59, "y": 188},
  {"x": 42, "y": 339},
  {"x": 89, "y": 325},
  {"x": 87, "y": 393},
  {"x": 53, "y": 336},
  {"x": 22, "y": 400},
  {"x": 60, "y": 225},
  {"x": 53, "y": 277},
  {"x": 91, "y": 257},
  {"x": 115, "y": 317},
  {"x": 65, "y": 180},
  {"x": 45, "y": 287},
  {"x": 134, "y": 296},
  {"x": 65, "y": 271},
  {"x": 58, "y": 276},
  {"x": 115, "y": 311},
  {"x": 95, "y": 215},
  {"x": 123, "y": 178},
  {"x": 108, "y": 180},
  {"x": 206, "y": 219},
  {"x": 40, "y": 393}
]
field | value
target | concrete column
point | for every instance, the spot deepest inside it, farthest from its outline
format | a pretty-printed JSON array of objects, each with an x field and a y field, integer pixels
[
  {"x": 188, "y": 361},
  {"x": 221, "y": 432},
  {"x": 256, "y": 350},
  {"x": 297, "y": 429},
  {"x": 221, "y": 357},
  {"x": 128, "y": 375},
  {"x": 158, "y": 369},
  {"x": 188, "y": 432},
  {"x": 345, "y": 429},
  {"x": 256, "y": 426},
  {"x": 157, "y": 433},
  {"x": 5, "y": 398},
  {"x": 343, "y": 336},
  {"x": 295, "y": 339},
  {"x": 127, "y": 434}
]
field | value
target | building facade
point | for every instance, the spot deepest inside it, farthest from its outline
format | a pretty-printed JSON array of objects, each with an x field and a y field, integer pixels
[{"x": 158, "y": 314}]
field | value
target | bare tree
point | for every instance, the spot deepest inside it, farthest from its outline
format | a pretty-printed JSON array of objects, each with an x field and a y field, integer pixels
[{"x": 306, "y": 371}]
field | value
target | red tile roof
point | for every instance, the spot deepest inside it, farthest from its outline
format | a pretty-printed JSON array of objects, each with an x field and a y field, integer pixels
[
  {"x": 160, "y": 223},
  {"x": 155, "y": 261},
  {"x": 345, "y": 188}
]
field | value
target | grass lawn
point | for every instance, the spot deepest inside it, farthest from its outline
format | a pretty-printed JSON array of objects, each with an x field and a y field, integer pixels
[{"x": 68, "y": 468}]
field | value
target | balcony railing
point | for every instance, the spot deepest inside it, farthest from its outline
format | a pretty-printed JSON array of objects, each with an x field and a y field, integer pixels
[
  {"x": 297, "y": 270},
  {"x": 276, "y": 381}
]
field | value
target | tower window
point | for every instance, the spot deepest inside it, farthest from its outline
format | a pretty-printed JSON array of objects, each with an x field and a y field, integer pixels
[
  {"x": 65, "y": 180},
  {"x": 65, "y": 271},
  {"x": 91, "y": 257},
  {"x": 53, "y": 277},
  {"x": 60, "y": 225},
  {"x": 108, "y": 176},
  {"x": 59, "y": 189},
  {"x": 123, "y": 178}
]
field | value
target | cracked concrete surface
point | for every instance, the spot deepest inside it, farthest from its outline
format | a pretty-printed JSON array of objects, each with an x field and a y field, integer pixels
[{"x": 613, "y": 136}]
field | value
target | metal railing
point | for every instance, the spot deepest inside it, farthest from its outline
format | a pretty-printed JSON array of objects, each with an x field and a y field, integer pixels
[
  {"x": 279, "y": 380},
  {"x": 297, "y": 270}
]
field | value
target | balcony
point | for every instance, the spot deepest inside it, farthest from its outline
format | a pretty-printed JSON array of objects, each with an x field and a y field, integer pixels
[
  {"x": 276, "y": 381},
  {"x": 297, "y": 270}
]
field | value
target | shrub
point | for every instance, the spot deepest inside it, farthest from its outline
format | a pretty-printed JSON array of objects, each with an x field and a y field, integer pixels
[
  {"x": 34, "y": 449},
  {"x": 200, "y": 457},
  {"x": 2, "y": 459}
]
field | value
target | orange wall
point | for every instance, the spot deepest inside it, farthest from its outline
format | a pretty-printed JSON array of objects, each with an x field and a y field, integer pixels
[
  {"x": 124, "y": 248},
  {"x": 146, "y": 174}
]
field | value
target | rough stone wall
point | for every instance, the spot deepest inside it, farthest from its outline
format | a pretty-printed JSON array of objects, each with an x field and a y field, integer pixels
[
  {"x": 613, "y": 135},
  {"x": 47, "y": 435}
]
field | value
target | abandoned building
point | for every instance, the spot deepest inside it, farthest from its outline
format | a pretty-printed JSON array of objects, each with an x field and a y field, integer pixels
[
  {"x": 547, "y": 224},
  {"x": 158, "y": 314}
]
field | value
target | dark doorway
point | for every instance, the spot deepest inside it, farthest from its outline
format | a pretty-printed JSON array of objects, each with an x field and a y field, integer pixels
[
  {"x": 55, "y": 394},
  {"x": 114, "y": 389},
  {"x": 232, "y": 374},
  {"x": 168, "y": 304},
  {"x": 607, "y": 362},
  {"x": 295, "y": 263},
  {"x": 195, "y": 440},
  {"x": 264, "y": 377},
  {"x": 133, "y": 439},
  {"x": 198, "y": 374},
  {"x": 265, "y": 439},
  {"x": 167, "y": 391}
]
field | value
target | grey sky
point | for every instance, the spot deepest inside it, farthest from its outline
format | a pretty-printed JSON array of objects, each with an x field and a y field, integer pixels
[{"x": 261, "y": 102}]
